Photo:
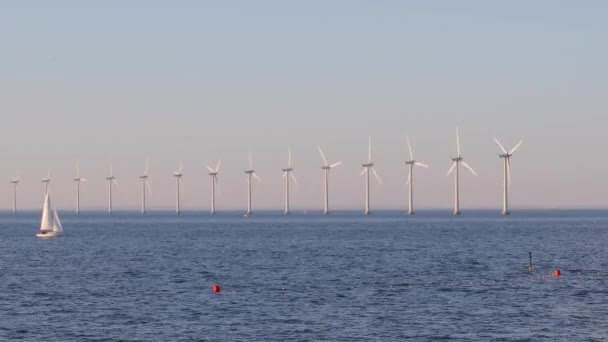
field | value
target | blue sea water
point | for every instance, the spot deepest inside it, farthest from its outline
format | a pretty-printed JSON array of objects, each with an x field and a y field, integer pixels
[{"x": 344, "y": 277}]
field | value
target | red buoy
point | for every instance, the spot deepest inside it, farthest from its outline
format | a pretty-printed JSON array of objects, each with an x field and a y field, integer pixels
[
  {"x": 557, "y": 273},
  {"x": 216, "y": 288}
]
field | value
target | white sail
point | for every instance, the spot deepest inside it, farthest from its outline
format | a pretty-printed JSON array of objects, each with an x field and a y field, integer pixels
[
  {"x": 57, "y": 228},
  {"x": 46, "y": 223}
]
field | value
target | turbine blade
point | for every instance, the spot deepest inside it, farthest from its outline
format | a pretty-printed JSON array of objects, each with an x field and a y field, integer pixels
[
  {"x": 181, "y": 166},
  {"x": 210, "y": 169},
  {"x": 115, "y": 181},
  {"x": 469, "y": 167},
  {"x": 83, "y": 180},
  {"x": 323, "y": 156},
  {"x": 48, "y": 175},
  {"x": 516, "y": 147},
  {"x": 294, "y": 179},
  {"x": 457, "y": 141},
  {"x": 369, "y": 150},
  {"x": 420, "y": 164},
  {"x": 250, "y": 160},
  {"x": 451, "y": 169},
  {"x": 284, "y": 175},
  {"x": 363, "y": 172},
  {"x": 148, "y": 186},
  {"x": 77, "y": 170},
  {"x": 409, "y": 178},
  {"x": 377, "y": 177},
  {"x": 256, "y": 177},
  {"x": 289, "y": 156},
  {"x": 147, "y": 166},
  {"x": 335, "y": 164},
  {"x": 409, "y": 146},
  {"x": 500, "y": 145},
  {"x": 217, "y": 167}
]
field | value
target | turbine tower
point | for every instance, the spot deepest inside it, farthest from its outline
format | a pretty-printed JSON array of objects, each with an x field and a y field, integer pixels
[
  {"x": 15, "y": 181},
  {"x": 287, "y": 174},
  {"x": 111, "y": 180},
  {"x": 506, "y": 156},
  {"x": 456, "y": 165},
  {"x": 250, "y": 172},
  {"x": 145, "y": 183},
  {"x": 366, "y": 168},
  {"x": 178, "y": 182},
  {"x": 326, "y": 169},
  {"x": 213, "y": 173},
  {"x": 46, "y": 180},
  {"x": 78, "y": 179},
  {"x": 410, "y": 179}
]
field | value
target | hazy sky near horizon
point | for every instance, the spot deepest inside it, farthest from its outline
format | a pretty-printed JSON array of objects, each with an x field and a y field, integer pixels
[{"x": 202, "y": 80}]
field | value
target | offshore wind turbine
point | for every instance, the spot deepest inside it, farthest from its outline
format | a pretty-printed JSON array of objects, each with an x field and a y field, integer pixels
[
  {"x": 366, "y": 170},
  {"x": 506, "y": 156},
  {"x": 46, "y": 180},
  {"x": 250, "y": 172},
  {"x": 287, "y": 174},
  {"x": 456, "y": 161},
  {"x": 410, "y": 179},
  {"x": 15, "y": 181},
  {"x": 213, "y": 173},
  {"x": 326, "y": 169},
  {"x": 78, "y": 179},
  {"x": 111, "y": 180},
  {"x": 178, "y": 182},
  {"x": 145, "y": 183}
]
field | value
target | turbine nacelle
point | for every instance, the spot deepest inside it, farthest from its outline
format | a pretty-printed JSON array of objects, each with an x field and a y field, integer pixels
[
  {"x": 288, "y": 169},
  {"x": 504, "y": 155},
  {"x": 457, "y": 159},
  {"x": 368, "y": 165}
]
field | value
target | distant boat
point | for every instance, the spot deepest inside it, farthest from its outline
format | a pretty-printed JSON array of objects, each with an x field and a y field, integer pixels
[{"x": 50, "y": 225}]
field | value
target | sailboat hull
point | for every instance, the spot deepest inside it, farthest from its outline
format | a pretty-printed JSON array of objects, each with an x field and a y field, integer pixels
[{"x": 48, "y": 235}]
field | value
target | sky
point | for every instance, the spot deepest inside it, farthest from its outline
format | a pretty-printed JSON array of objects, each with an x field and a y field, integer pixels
[{"x": 201, "y": 81}]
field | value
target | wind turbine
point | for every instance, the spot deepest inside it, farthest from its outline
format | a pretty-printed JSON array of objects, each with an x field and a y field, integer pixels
[
  {"x": 250, "y": 172},
  {"x": 78, "y": 179},
  {"x": 456, "y": 165},
  {"x": 111, "y": 180},
  {"x": 46, "y": 180},
  {"x": 410, "y": 179},
  {"x": 326, "y": 169},
  {"x": 506, "y": 156},
  {"x": 213, "y": 173},
  {"x": 287, "y": 174},
  {"x": 15, "y": 180},
  {"x": 178, "y": 181},
  {"x": 366, "y": 168},
  {"x": 145, "y": 183}
]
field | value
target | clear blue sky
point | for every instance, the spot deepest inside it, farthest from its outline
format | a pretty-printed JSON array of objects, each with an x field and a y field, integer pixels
[{"x": 201, "y": 80}]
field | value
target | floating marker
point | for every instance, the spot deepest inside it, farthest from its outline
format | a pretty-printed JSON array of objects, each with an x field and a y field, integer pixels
[
  {"x": 557, "y": 273},
  {"x": 216, "y": 288},
  {"x": 530, "y": 264}
]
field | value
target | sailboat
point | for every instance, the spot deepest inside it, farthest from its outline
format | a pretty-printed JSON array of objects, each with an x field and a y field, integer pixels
[{"x": 50, "y": 225}]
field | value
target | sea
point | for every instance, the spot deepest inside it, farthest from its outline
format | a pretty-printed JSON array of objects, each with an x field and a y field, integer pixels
[{"x": 306, "y": 277}]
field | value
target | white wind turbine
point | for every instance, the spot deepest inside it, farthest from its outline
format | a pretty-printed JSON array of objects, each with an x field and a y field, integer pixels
[
  {"x": 366, "y": 168},
  {"x": 213, "y": 173},
  {"x": 15, "y": 181},
  {"x": 250, "y": 172},
  {"x": 178, "y": 182},
  {"x": 326, "y": 169},
  {"x": 111, "y": 180},
  {"x": 287, "y": 174},
  {"x": 456, "y": 165},
  {"x": 46, "y": 180},
  {"x": 506, "y": 156},
  {"x": 78, "y": 179},
  {"x": 145, "y": 183},
  {"x": 410, "y": 179}
]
